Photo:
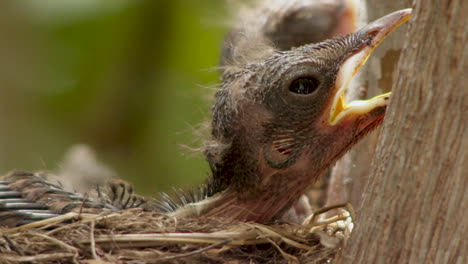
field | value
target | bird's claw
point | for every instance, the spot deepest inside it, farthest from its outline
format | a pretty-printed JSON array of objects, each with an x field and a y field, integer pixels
[{"x": 335, "y": 230}]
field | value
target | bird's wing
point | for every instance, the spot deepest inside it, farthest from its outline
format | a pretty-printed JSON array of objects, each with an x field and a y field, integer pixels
[{"x": 28, "y": 197}]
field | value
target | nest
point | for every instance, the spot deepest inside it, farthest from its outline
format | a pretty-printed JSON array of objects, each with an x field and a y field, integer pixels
[{"x": 136, "y": 236}]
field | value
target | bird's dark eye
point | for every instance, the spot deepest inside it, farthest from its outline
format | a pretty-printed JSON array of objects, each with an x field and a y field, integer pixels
[{"x": 304, "y": 85}]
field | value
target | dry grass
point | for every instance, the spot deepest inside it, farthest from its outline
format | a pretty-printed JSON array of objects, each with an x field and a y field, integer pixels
[{"x": 135, "y": 236}]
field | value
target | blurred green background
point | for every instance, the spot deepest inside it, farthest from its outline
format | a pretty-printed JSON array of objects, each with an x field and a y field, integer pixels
[{"x": 129, "y": 78}]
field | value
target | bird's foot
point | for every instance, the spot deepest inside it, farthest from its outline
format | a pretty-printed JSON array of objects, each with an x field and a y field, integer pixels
[{"x": 335, "y": 230}]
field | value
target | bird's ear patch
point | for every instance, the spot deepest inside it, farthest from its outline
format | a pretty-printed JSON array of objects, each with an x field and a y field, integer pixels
[
  {"x": 284, "y": 144},
  {"x": 280, "y": 153}
]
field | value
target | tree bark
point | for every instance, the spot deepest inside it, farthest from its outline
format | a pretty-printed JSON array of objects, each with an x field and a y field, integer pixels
[{"x": 414, "y": 206}]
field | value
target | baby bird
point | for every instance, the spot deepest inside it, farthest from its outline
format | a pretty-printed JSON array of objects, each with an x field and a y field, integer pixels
[{"x": 280, "y": 120}]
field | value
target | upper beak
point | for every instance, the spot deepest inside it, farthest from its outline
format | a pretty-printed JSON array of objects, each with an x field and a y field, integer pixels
[{"x": 378, "y": 31}]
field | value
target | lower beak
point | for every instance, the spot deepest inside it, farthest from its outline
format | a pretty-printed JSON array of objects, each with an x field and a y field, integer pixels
[{"x": 377, "y": 31}]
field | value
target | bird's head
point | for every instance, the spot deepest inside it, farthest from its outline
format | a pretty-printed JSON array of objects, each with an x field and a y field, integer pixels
[{"x": 281, "y": 121}]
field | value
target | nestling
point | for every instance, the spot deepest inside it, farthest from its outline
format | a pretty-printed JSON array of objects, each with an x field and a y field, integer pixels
[{"x": 279, "y": 122}]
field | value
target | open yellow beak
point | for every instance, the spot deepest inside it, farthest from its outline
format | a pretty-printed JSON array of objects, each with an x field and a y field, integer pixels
[{"x": 379, "y": 29}]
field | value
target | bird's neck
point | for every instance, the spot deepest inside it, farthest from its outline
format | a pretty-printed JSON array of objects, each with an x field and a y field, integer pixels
[
  {"x": 266, "y": 206},
  {"x": 273, "y": 193}
]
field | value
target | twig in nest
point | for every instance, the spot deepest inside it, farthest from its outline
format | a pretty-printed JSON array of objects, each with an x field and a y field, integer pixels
[
  {"x": 39, "y": 257},
  {"x": 57, "y": 242},
  {"x": 269, "y": 233},
  {"x": 82, "y": 204},
  {"x": 13, "y": 245},
  {"x": 93, "y": 242},
  {"x": 289, "y": 257},
  {"x": 43, "y": 223},
  {"x": 151, "y": 240},
  {"x": 86, "y": 218},
  {"x": 198, "y": 251}
]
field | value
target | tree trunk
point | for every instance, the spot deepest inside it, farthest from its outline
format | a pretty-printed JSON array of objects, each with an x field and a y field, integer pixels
[{"x": 414, "y": 206}]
